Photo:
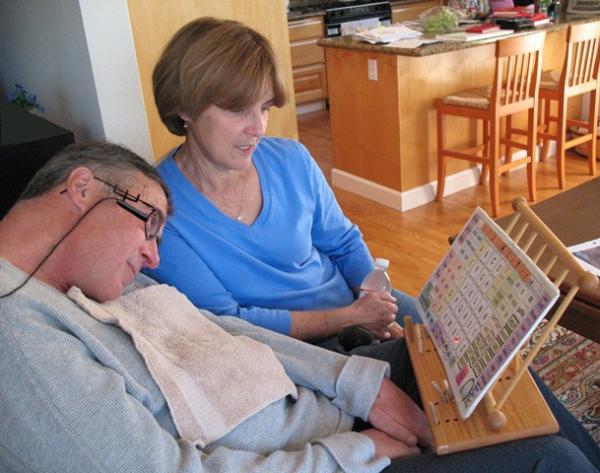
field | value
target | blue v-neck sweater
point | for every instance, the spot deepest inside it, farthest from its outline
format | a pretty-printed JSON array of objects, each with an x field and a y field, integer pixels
[{"x": 301, "y": 253}]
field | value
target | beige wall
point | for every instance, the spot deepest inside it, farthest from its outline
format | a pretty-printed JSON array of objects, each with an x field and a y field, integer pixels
[{"x": 153, "y": 22}]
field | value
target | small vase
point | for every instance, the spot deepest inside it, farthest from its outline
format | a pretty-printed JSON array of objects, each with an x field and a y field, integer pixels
[{"x": 542, "y": 7}]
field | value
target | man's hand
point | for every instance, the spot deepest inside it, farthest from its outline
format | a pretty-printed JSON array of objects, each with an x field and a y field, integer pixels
[
  {"x": 388, "y": 446},
  {"x": 395, "y": 414}
]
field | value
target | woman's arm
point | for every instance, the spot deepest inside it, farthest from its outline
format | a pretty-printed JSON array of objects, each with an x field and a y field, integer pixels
[
  {"x": 185, "y": 269},
  {"x": 333, "y": 233},
  {"x": 374, "y": 311},
  {"x": 335, "y": 236}
]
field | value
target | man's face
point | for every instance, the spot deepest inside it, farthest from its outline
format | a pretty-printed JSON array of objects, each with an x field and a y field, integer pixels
[{"x": 109, "y": 247}]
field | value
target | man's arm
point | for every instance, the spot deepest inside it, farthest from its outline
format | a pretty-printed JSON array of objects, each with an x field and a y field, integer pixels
[
  {"x": 70, "y": 404},
  {"x": 351, "y": 382},
  {"x": 356, "y": 384}
]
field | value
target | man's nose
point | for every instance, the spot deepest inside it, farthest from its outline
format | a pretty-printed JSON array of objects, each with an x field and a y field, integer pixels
[{"x": 150, "y": 254}]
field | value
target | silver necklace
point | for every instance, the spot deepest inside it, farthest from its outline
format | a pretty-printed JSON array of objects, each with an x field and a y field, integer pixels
[
  {"x": 194, "y": 176},
  {"x": 240, "y": 215}
]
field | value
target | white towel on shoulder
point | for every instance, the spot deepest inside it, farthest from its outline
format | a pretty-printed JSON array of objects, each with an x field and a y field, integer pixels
[{"x": 212, "y": 380}]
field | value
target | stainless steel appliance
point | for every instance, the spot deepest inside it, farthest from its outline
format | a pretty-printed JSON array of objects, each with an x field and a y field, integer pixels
[{"x": 340, "y": 14}]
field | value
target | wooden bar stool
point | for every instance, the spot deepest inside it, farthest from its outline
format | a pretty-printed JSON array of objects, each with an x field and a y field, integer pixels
[
  {"x": 579, "y": 75},
  {"x": 514, "y": 90}
]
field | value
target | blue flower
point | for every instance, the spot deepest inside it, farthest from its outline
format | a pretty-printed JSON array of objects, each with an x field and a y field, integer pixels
[{"x": 22, "y": 98}]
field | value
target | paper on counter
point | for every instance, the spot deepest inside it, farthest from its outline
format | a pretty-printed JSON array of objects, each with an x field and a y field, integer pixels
[
  {"x": 411, "y": 43},
  {"x": 351, "y": 27},
  {"x": 464, "y": 36},
  {"x": 386, "y": 34}
]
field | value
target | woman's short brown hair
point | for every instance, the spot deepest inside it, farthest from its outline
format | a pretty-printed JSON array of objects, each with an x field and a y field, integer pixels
[{"x": 213, "y": 62}]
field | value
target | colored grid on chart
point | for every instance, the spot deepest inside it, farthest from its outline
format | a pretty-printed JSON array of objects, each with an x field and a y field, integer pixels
[{"x": 481, "y": 303}]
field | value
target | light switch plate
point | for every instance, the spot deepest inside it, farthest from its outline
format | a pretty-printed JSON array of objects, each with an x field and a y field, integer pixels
[{"x": 372, "y": 66}]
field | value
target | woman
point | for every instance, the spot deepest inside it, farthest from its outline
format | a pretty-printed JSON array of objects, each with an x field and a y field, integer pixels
[{"x": 258, "y": 233}]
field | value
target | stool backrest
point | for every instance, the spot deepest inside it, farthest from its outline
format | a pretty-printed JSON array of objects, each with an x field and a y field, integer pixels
[
  {"x": 517, "y": 75},
  {"x": 580, "y": 68}
]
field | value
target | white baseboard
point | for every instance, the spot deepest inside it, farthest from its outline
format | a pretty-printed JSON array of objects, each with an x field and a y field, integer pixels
[
  {"x": 417, "y": 196},
  {"x": 406, "y": 200},
  {"x": 369, "y": 189},
  {"x": 310, "y": 107}
]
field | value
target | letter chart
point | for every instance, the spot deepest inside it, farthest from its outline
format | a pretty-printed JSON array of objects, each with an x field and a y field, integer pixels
[{"x": 482, "y": 302}]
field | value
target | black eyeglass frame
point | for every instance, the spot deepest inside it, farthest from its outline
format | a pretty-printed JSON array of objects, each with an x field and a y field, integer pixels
[
  {"x": 154, "y": 216},
  {"x": 152, "y": 220}
]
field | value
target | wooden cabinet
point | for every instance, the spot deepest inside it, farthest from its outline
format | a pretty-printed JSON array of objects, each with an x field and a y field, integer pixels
[
  {"x": 410, "y": 11},
  {"x": 154, "y": 22},
  {"x": 308, "y": 59}
]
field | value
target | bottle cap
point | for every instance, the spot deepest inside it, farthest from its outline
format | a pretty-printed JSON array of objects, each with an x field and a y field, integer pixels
[{"x": 382, "y": 262}]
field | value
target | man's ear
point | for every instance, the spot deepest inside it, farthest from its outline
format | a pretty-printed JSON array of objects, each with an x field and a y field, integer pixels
[{"x": 79, "y": 189}]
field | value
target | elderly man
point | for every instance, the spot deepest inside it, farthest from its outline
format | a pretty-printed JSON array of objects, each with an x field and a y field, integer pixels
[{"x": 83, "y": 389}]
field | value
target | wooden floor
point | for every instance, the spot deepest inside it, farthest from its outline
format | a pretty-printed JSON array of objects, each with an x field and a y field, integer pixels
[{"x": 415, "y": 241}]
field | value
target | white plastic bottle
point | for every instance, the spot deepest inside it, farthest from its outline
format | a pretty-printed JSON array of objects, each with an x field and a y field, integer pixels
[{"x": 378, "y": 279}]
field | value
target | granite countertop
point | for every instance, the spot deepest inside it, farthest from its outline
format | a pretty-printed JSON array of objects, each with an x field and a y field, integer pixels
[{"x": 347, "y": 42}]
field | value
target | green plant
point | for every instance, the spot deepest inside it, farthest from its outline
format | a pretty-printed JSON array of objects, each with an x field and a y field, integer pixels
[
  {"x": 441, "y": 20},
  {"x": 542, "y": 5},
  {"x": 19, "y": 96}
]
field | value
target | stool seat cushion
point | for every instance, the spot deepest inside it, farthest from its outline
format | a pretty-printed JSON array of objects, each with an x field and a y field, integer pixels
[
  {"x": 550, "y": 80},
  {"x": 479, "y": 97}
]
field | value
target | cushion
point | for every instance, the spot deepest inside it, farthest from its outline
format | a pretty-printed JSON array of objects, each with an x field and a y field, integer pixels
[{"x": 478, "y": 97}]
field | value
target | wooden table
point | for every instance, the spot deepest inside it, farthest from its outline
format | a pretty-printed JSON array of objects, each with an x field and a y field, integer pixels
[{"x": 574, "y": 216}]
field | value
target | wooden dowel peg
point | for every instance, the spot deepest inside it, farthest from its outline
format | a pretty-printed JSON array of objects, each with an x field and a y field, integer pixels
[
  {"x": 409, "y": 329},
  {"x": 434, "y": 415},
  {"x": 447, "y": 391},
  {"x": 516, "y": 363},
  {"x": 419, "y": 337},
  {"x": 436, "y": 386},
  {"x": 496, "y": 418}
]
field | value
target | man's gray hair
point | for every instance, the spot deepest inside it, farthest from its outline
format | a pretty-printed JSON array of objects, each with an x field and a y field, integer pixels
[{"x": 111, "y": 162}]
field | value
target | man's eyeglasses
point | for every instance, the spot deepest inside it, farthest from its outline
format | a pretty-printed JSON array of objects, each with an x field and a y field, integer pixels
[{"x": 152, "y": 219}]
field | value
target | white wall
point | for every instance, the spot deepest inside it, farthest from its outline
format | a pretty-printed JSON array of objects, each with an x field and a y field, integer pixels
[
  {"x": 42, "y": 46},
  {"x": 114, "y": 68},
  {"x": 78, "y": 57}
]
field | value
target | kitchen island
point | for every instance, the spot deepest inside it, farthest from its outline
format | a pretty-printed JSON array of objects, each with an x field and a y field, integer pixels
[{"x": 383, "y": 121}]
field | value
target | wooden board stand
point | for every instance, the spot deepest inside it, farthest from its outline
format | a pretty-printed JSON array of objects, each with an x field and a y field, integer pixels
[
  {"x": 527, "y": 414},
  {"x": 514, "y": 408}
]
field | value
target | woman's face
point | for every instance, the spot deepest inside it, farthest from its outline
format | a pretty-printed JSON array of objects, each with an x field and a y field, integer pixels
[{"x": 226, "y": 139}]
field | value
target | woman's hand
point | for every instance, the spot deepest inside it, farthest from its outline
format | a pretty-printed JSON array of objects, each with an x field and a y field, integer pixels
[
  {"x": 388, "y": 446},
  {"x": 397, "y": 415},
  {"x": 377, "y": 312},
  {"x": 396, "y": 330}
]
